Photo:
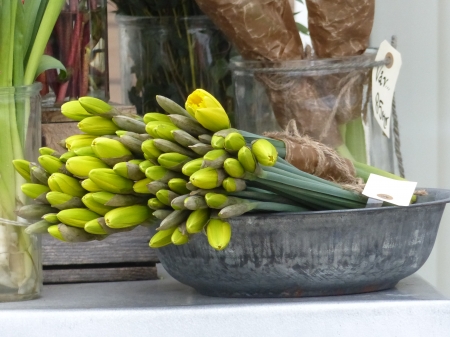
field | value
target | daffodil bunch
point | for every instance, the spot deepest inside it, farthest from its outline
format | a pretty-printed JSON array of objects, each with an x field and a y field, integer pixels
[{"x": 186, "y": 170}]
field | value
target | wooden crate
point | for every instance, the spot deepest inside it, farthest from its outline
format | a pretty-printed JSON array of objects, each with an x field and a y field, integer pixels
[{"x": 119, "y": 257}]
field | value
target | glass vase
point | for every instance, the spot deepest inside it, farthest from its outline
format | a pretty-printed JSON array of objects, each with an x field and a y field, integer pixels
[
  {"x": 329, "y": 100},
  {"x": 172, "y": 57},
  {"x": 20, "y": 253},
  {"x": 80, "y": 41}
]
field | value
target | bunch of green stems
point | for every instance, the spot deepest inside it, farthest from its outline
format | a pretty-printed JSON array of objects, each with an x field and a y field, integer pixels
[{"x": 25, "y": 27}]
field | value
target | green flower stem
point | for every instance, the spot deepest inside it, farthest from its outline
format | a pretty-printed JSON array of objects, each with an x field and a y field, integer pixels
[
  {"x": 262, "y": 197},
  {"x": 303, "y": 184}
]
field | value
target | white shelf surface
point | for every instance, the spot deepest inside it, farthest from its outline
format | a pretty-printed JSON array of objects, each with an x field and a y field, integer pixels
[{"x": 167, "y": 308}]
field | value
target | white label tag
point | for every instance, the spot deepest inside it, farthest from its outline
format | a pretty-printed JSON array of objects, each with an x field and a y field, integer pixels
[
  {"x": 397, "y": 192},
  {"x": 384, "y": 79}
]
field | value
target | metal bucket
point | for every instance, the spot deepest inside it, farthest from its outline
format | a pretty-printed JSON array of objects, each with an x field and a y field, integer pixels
[{"x": 312, "y": 253}]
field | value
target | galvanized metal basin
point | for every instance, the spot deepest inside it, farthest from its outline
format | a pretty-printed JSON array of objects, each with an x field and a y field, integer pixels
[{"x": 312, "y": 254}]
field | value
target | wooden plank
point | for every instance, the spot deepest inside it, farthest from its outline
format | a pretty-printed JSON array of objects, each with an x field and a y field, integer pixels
[
  {"x": 118, "y": 248},
  {"x": 100, "y": 274}
]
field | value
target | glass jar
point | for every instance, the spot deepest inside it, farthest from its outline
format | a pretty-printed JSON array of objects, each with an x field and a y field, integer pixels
[
  {"x": 80, "y": 41},
  {"x": 329, "y": 99},
  {"x": 20, "y": 253},
  {"x": 172, "y": 56}
]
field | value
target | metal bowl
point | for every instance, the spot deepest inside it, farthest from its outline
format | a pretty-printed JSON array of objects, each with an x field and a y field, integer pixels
[{"x": 313, "y": 253}]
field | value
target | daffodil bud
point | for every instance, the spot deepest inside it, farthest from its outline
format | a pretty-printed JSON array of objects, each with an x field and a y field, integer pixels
[
  {"x": 155, "y": 116},
  {"x": 216, "y": 200},
  {"x": 110, "y": 181},
  {"x": 236, "y": 209},
  {"x": 155, "y": 186},
  {"x": 23, "y": 168},
  {"x": 173, "y": 161},
  {"x": 233, "y": 142},
  {"x": 74, "y": 111},
  {"x": 162, "y": 238},
  {"x": 265, "y": 153},
  {"x": 54, "y": 231},
  {"x": 52, "y": 164},
  {"x": 247, "y": 159},
  {"x": 129, "y": 124},
  {"x": 98, "y": 126},
  {"x": 195, "y": 202},
  {"x": 218, "y": 142},
  {"x": 35, "y": 211},
  {"x": 218, "y": 233},
  {"x": 170, "y": 106},
  {"x": 168, "y": 146},
  {"x": 140, "y": 186},
  {"x": 129, "y": 170},
  {"x": 155, "y": 204},
  {"x": 90, "y": 186},
  {"x": 97, "y": 107},
  {"x": 85, "y": 151},
  {"x": 89, "y": 201},
  {"x": 184, "y": 138},
  {"x": 94, "y": 227},
  {"x": 145, "y": 165},
  {"x": 80, "y": 166},
  {"x": 39, "y": 175},
  {"x": 49, "y": 151},
  {"x": 233, "y": 168},
  {"x": 149, "y": 148},
  {"x": 161, "y": 214},
  {"x": 34, "y": 191},
  {"x": 197, "y": 220},
  {"x": 179, "y": 236},
  {"x": 207, "y": 110},
  {"x": 71, "y": 234},
  {"x": 178, "y": 185},
  {"x": 66, "y": 156},
  {"x": 111, "y": 151},
  {"x": 208, "y": 178},
  {"x": 51, "y": 218},
  {"x": 174, "y": 219},
  {"x": 40, "y": 227},
  {"x": 178, "y": 202},
  {"x": 132, "y": 144},
  {"x": 205, "y": 139},
  {"x": 215, "y": 158},
  {"x": 127, "y": 216},
  {"x": 60, "y": 182},
  {"x": 188, "y": 124},
  {"x": 201, "y": 149},
  {"x": 77, "y": 141},
  {"x": 234, "y": 185},
  {"x": 76, "y": 217},
  {"x": 117, "y": 200},
  {"x": 164, "y": 131},
  {"x": 166, "y": 196},
  {"x": 192, "y": 166},
  {"x": 160, "y": 173},
  {"x": 63, "y": 201}
]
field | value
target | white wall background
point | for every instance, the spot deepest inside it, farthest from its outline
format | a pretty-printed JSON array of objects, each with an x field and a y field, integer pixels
[{"x": 423, "y": 103}]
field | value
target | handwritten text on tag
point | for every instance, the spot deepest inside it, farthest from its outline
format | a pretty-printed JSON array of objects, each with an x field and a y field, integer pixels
[{"x": 384, "y": 79}]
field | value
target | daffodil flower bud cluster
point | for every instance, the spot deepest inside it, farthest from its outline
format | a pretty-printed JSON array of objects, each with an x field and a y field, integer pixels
[{"x": 186, "y": 171}]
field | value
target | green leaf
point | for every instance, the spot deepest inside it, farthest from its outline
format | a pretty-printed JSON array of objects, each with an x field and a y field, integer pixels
[
  {"x": 48, "y": 62},
  {"x": 302, "y": 29}
]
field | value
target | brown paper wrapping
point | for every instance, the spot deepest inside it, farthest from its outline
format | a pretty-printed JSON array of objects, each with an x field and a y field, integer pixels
[
  {"x": 340, "y": 27},
  {"x": 260, "y": 30}
]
